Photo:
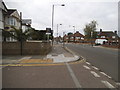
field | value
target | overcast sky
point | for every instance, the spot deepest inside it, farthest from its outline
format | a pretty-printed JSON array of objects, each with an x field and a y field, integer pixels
[{"x": 75, "y": 13}]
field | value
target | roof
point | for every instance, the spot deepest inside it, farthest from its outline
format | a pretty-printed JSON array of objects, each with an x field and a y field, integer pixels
[
  {"x": 4, "y": 6},
  {"x": 107, "y": 33},
  {"x": 10, "y": 11},
  {"x": 77, "y": 34}
]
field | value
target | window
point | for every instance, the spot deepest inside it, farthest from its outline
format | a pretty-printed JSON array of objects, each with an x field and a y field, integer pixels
[
  {"x": 113, "y": 36},
  {"x": 71, "y": 37},
  {"x": 82, "y": 38},
  {"x": 77, "y": 37},
  {"x": 102, "y": 36},
  {"x": 12, "y": 21}
]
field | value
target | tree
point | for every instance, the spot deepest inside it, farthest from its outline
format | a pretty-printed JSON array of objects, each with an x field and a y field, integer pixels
[
  {"x": 90, "y": 29},
  {"x": 19, "y": 35},
  {"x": 6, "y": 34}
]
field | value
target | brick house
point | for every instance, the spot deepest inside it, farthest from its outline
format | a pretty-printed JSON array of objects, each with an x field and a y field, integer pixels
[
  {"x": 76, "y": 37},
  {"x": 107, "y": 37},
  {"x": 65, "y": 38}
]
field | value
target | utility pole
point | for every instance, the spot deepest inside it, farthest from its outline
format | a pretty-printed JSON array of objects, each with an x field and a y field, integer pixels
[
  {"x": 52, "y": 20},
  {"x": 53, "y": 15},
  {"x": 74, "y": 34},
  {"x": 91, "y": 38},
  {"x": 21, "y": 46},
  {"x": 63, "y": 39},
  {"x": 57, "y": 33}
]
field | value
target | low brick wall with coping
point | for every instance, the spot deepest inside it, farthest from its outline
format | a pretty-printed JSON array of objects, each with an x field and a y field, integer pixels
[{"x": 28, "y": 48}]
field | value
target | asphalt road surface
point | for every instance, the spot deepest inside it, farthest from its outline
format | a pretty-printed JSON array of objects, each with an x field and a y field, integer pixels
[
  {"x": 78, "y": 75},
  {"x": 103, "y": 58}
]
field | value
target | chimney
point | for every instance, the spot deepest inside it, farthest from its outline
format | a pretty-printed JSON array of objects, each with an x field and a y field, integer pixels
[
  {"x": 100, "y": 30},
  {"x": 115, "y": 32}
]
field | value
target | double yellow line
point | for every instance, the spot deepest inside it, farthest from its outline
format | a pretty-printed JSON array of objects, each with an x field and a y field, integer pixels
[{"x": 46, "y": 64}]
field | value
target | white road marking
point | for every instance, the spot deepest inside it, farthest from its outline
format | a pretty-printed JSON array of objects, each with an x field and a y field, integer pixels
[
  {"x": 118, "y": 83},
  {"x": 107, "y": 84},
  {"x": 86, "y": 67},
  {"x": 105, "y": 74},
  {"x": 88, "y": 63},
  {"x": 109, "y": 77},
  {"x": 94, "y": 73},
  {"x": 73, "y": 76},
  {"x": 95, "y": 68}
]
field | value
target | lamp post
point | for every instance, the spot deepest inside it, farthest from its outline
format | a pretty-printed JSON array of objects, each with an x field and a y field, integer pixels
[
  {"x": 74, "y": 33},
  {"x": 21, "y": 38},
  {"x": 91, "y": 38},
  {"x": 63, "y": 39},
  {"x": 57, "y": 32},
  {"x": 53, "y": 14}
]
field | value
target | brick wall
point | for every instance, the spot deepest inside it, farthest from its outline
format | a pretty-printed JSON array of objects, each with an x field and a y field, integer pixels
[{"x": 29, "y": 48}]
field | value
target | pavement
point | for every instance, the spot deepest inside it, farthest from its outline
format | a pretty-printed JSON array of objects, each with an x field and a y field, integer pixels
[{"x": 59, "y": 54}]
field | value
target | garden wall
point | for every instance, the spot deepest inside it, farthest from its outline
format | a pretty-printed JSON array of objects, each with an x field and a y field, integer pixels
[{"x": 28, "y": 48}]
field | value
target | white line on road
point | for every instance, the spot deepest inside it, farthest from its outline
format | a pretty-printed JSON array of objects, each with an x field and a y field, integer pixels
[
  {"x": 118, "y": 83},
  {"x": 73, "y": 76},
  {"x": 105, "y": 74},
  {"x": 107, "y": 84},
  {"x": 88, "y": 63},
  {"x": 95, "y": 68},
  {"x": 86, "y": 67},
  {"x": 94, "y": 73}
]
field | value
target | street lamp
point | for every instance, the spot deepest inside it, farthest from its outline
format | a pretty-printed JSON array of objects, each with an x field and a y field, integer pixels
[
  {"x": 74, "y": 34},
  {"x": 63, "y": 39},
  {"x": 21, "y": 38},
  {"x": 53, "y": 13},
  {"x": 91, "y": 38},
  {"x": 57, "y": 32}
]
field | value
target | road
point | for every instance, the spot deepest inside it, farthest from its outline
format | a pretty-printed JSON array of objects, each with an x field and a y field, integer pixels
[
  {"x": 103, "y": 58},
  {"x": 79, "y": 74}
]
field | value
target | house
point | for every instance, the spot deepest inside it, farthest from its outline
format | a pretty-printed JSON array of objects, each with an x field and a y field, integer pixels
[
  {"x": 12, "y": 19},
  {"x": 79, "y": 37},
  {"x": 58, "y": 39},
  {"x": 3, "y": 11},
  {"x": 107, "y": 37},
  {"x": 65, "y": 38},
  {"x": 76, "y": 37},
  {"x": 26, "y": 24}
]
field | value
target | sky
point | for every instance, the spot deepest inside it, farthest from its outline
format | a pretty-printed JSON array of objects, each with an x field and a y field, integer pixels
[{"x": 76, "y": 13}]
